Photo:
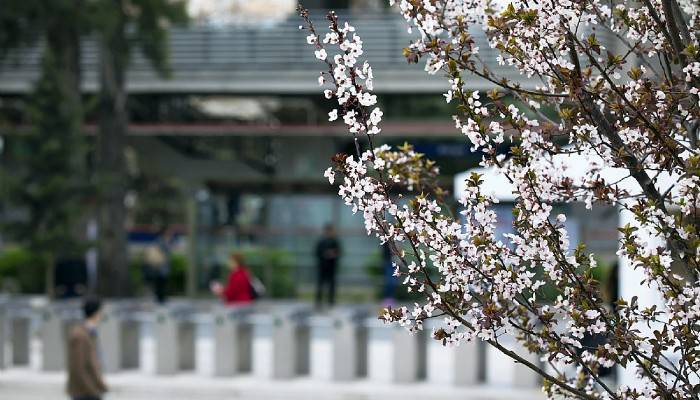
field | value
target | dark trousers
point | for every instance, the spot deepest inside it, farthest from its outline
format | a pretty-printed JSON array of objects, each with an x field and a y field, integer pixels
[
  {"x": 159, "y": 286},
  {"x": 326, "y": 278},
  {"x": 86, "y": 398}
]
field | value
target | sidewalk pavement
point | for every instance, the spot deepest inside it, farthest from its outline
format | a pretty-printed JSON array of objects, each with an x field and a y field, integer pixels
[{"x": 24, "y": 384}]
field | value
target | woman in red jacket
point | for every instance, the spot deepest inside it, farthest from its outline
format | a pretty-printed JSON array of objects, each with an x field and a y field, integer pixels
[{"x": 238, "y": 287}]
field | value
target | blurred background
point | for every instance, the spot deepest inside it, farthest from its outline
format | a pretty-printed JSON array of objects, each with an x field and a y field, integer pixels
[
  {"x": 225, "y": 144},
  {"x": 139, "y": 136},
  {"x": 222, "y": 142}
]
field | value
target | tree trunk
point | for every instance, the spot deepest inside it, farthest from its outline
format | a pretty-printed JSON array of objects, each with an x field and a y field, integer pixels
[
  {"x": 113, "y": 272},
  {"x": 63, "y": 48},
  {"x": 63, "y": 41}
]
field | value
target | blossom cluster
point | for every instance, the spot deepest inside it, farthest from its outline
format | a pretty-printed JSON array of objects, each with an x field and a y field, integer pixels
[
  {"x": 352, "y": 81},
  {"x": 609, "y": 114}
]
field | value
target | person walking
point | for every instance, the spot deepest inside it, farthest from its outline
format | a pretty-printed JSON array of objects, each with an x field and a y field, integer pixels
[
  {"x": 328, "y": 252},
  {"x": 239, "y": 287},
  {"x": 84, "y": 371}
]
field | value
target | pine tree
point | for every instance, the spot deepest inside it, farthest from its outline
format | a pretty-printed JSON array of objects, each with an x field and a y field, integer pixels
[
  {"x": 49, "y": 185},
  {"x": 120, "y": 26}
]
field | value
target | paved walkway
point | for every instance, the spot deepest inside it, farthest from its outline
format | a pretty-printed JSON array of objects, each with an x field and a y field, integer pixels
[{"x": 20, "y": 384}]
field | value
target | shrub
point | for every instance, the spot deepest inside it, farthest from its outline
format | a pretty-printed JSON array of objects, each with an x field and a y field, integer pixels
[
  {"x": 22, "y": 271},
  {"x": 275, "y": 268}
]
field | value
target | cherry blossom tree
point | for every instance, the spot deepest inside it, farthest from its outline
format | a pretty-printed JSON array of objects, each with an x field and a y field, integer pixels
[{"x": 628, "y": 105}]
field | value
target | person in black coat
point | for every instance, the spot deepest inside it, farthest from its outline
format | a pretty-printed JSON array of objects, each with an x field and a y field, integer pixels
[{"x": 328, "y": 253}]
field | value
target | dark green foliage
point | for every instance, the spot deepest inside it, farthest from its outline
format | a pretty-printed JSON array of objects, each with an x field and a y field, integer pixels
[
  {"x": 25, "y": 22},
  {"x": 18, "y": 21},
  {"x": 137, "y": 276},
  {"x": 21, "y": 271},
  {"x": 178, "y": 275},
  {"x": 152, "y": 23},
  {"x": 373, "y": 264},
  {"x": 160, "y": 201},
  {"x": 49, "y": 186},
  {"x": 138, "y": 24}
]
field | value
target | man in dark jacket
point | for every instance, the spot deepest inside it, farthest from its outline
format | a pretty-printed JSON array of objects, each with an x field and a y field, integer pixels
[
  {"x": 84, "y": 372},
  {"x": 327, "y": 253}
]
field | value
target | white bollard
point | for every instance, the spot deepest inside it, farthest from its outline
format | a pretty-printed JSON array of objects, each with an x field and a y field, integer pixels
[
  {"x": 147, "y": 343},
  {"x": 204, "y": 349},
  {"x": 57, "y": 320},
  {"x": 338, "y": 346},
  {"x": 110, "y": 339},
  {"x": 231, "y": 342},
  {"x": 119, "y": 338},
  {"x": 173, "y": 336},
  {"x": 457, "y": 365},
  {"x": 52, "y": 341},
  {"x": 186, "y": 330},
  {"x": 394, "y": 355},
  {"x": 322, "y": 355},
  {"x": 166, "y": 346},
  {"x": 280, "y": 344},
  {"x": 130, "y": 357},
  {"x": 501, "y": 370},
  {"x": 20, "y": 338}
]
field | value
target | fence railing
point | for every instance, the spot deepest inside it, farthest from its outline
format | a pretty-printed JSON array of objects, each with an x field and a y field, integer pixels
[
  {"x": 232, "y": 46},
  {"x": 257, "y": 59},
  {"x": 268, "y": 340}
]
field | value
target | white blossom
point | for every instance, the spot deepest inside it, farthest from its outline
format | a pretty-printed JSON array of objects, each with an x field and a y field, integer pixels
[
  {"x": 333, "y": 115},
  {"x": 321, "y": 54}
]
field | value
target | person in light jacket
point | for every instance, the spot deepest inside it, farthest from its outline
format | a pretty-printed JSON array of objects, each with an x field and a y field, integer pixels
[{"x": 84, "y": 371}]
